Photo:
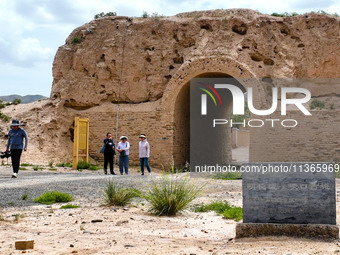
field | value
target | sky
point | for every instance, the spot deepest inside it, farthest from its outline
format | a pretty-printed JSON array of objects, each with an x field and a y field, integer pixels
[{"x": 32, "y": 30}]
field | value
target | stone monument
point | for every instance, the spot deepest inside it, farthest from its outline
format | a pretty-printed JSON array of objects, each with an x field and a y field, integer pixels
[{"x": 291, "y": 199}]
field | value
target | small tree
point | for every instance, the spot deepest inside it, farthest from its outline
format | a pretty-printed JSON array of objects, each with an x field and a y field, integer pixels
[{"x": 17, "y": 101}]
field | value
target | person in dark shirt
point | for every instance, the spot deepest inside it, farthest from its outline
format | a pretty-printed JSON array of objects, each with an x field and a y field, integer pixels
[
  {"x": 15, "y": 144},
  {"x": 109, "y": 152}
]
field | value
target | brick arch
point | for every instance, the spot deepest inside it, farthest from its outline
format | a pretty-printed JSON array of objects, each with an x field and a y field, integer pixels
[{"x": 178, "y": 90}]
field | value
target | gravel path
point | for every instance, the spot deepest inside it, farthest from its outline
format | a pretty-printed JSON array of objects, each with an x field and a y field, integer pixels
[{"x": 85, "y": 187}]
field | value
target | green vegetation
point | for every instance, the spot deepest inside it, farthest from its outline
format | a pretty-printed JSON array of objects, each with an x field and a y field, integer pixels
[
  {"x": 94, "y": 168},
  {"x": 52, "y": 169},
  {"x": 25, "y": 164},
  {"x": 22, "y": 168},
  {"x": 50, "y": 164},
  {"x": 228, "y": 176},
  {"x": 76, "y": 40},
  {"x": 16, "y": 101},
  {"x": 24, "y": 196},
  {"x": 317, "y": 104},
  {"x": 36, "y": 168},
  {"x": 171, "y": 195},
  {"x": 292, "y": 14},
  {"x": 83, "y": 165},
  {"x": 53, "y": 197},
  {"x": 4, "y": 117},
  {"x": 114, "y": 195},
  {"x": 102, "y": 14},
  {"x": 69, "y": 206},
  {"x": 285, "y": 14},
  {"x": 155, "y": 15},
  {"x": 64, "y": 165},
  {"x": 222, "y": 208},
  {"x": 326, "y": 13}
]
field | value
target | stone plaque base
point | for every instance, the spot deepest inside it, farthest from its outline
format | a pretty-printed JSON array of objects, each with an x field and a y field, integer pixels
[{"x": 321, "y": 231}]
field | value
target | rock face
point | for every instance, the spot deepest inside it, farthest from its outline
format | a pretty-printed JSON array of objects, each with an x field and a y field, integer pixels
[{"x": 139, "y": 69}]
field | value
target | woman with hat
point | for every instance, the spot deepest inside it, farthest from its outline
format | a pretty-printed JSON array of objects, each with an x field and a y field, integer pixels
[
  {"x": 123, "y": 149},
  {"x": 144, "y": 154},
  {"x": 15, "y": 143}
]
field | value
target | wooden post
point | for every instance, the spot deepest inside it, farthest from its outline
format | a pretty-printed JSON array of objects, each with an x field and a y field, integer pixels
[{"x": 81, "y": 141}]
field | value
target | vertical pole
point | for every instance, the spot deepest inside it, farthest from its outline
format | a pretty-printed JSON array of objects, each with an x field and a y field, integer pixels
[{"x": 75, "y": 143}]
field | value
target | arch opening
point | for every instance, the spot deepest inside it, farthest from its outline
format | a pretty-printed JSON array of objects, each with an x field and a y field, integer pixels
[{"x": 183, "y": 122}]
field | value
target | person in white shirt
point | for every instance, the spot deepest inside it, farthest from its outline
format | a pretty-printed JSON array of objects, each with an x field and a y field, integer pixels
[
  {"x": 123, "y": 148},
  {"x": 144, "y": 154}
]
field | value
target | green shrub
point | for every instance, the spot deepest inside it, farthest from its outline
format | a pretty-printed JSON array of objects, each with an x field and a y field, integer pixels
[
  {"x": 53, "y": 197},
  {"x": 222, "y": 208},
  {"x": 22, "y": 168},
  {"x": 102, "y": 14},
  {"x": 114, "y": 195},
  {"x": 145, "y": 15},
  {"x": 285, "y": 14},
  {"x": 25, "y": 164},
  {"x": 83, "y": 165},
  {"x": 235, "y": 213},
  {"x": 64, "y": 165},
  {"x": 36, "y": 168},
  {"x": 228, "y": 176},
  {"x": 76, "y": 40},
  {"x": 69, "y": 206},
  {"x": 17, "y": 101},
  {"x": 4, "y": 117},
  {"x": 24, "y": 196},
  {"x": 94, "y": 167},
  {"x": 2, "y": 105},
  {"x": 171, "y": 195},
  {"x": 317, "y": 104}
]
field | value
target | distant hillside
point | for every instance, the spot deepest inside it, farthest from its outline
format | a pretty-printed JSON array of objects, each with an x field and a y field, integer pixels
[{"x": 24, "y": 99}]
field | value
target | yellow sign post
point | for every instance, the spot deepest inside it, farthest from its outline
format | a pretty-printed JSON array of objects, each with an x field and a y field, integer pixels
[{"x": 81, "y": 141}]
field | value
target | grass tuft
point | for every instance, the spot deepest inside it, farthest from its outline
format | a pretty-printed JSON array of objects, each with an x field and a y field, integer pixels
[
  {"x": 24, "y": 196},
  {"x": 228, "y": 176},
  {"x": 114, "y": 195},
  {"x": 53, "y": 197},
  {"x": 83, "y": 165},
  {"x": 171, "y": 195},
  {"x": 69, "y": 206},
  {"x": 222, "y": 208}
]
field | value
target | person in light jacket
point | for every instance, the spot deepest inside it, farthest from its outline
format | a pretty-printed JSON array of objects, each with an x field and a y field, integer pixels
[
  {"x": 144, "y": 154},
  {"x": 123, "y": 148}
]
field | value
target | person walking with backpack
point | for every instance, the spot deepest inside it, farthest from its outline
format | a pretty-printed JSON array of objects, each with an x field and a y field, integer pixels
[{"x": 15, "y": 144}]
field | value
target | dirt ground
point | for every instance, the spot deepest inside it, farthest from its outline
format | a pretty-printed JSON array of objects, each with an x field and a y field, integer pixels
[{"x": 132, "y": 230}]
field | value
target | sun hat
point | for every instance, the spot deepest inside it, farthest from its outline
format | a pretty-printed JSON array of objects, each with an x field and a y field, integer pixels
[
  {"x": 142, "y": 136},
  {"x": 15, "y": 123},
  {"x": 122, "y": 137}
]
